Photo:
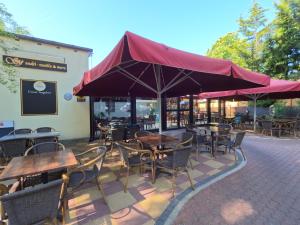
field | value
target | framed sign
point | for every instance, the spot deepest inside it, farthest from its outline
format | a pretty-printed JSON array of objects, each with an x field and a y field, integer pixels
[{"x": 38, "y": 97}]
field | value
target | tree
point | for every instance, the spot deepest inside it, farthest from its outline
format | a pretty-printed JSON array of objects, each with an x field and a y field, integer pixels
[
  {"x": 254, "y": 31},
  {"x": 231, "y": 47},
  {"x": 8, "y": 27},
  {"x": 282, "y": 50}
]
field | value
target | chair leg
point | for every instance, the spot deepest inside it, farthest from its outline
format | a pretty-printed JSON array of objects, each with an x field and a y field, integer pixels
[
  {"x": 190, "y": 161},
  {"x": 173, "y": 183},
  {"x": 189, "y": 176},
  {"x": 153, "y": 170},
  {"x": 243, "y": 153},
  {"x": 101, "y": 189},
  {"x": 126, "y": 181}
]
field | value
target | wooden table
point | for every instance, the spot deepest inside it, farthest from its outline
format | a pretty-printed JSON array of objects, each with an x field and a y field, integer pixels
[
  {"x": 158, "y": 140},
  {"x": 29, "y": 136},
  {"x": 38, "y": 163}
]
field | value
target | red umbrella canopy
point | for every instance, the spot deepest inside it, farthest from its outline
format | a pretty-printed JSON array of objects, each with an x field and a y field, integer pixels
[
  {"x": 140, "y": 67},
  {"x": 278, "y": 89}
]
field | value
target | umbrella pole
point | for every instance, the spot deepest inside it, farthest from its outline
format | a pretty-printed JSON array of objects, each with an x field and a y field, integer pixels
[
  {"x": 159, "y": 112},
  {"x": 254, "y": 114}
]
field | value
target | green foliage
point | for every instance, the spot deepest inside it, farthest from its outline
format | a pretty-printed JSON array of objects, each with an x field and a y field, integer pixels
[
  {"x": 230, "y": 47},
  {"x": 254, "y": 31},
  {"x": 263, "y": 103},
  {"x": 282, "y": 49},
  {"x": 8, "y": 27}
]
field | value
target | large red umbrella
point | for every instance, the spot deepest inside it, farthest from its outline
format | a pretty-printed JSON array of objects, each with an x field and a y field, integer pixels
[
  {"x": 140, "y": 67},
  {"x": 278, "y": 89}
]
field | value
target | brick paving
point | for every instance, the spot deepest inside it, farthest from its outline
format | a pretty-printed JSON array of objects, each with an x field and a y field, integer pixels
[{"x": 265, "y": 192}]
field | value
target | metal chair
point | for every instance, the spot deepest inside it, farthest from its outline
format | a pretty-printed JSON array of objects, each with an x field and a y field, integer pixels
[
  {"x": 44, "y": 129},
  {"x": 175, "y": 162},
  {"x": 236, "y": 144},
  {"x": 13, "y": 148},
  {"x": 267, "y": 126},
  {"x": 135, "y": 157},
  {"x": 21, "y": 131},
  {"x": 45, "y": 147},
  {"x": 33, "y": 205},
  {"x": 117, "y": 134},
  {"x": 88, "y": 171},
  {"x": 143, "y": 133}
]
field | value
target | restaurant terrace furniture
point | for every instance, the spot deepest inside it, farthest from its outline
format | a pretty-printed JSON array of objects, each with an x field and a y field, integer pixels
[
  {"x": 13, "y": 148},
  {"x": 116, "y": 134},
  {"x": 44, "y": 148},
  {"x": 203, "y": 140},
  {"x": 236, "y": 144},
  {"x": 135, "y": 157},
  {"x": 29, "y": 136},
  {"x": 84, "y": 173},
  {"x": 176, "y": 162},
  {"x": 131, "y": 130},
  {"x": 143, "y": 133},
  {"x": 33, "y": 205},
  {"x": 297, "y": 127},
  {"x": 268, "y": 127},
  {"x": 44, "y": 129},
  {"x": 21, "y": 131},
  {"x": 39, "y": 163}
]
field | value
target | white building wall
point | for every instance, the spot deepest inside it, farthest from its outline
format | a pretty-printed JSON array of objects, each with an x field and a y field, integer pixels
[{"x": 72, "y": 119}]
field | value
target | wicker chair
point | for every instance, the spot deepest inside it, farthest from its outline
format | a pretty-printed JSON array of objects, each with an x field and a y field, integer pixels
[
  {"x": 117, "y": 134},
  {"x": 187, "y": 139},
  {"x": 175, "y": 162},
  {"x": 33, "y": 205},
  {"x": 267, "y": 127},
  {"x": 130, "y": 132},
  {"x": 44, "y": 129},
  {"x": 236, "y": 144},
  {"x": 21, "y": 131},
  {"x": 143, "y": 133},
  {"x": 223, "y": 138},
  {"x": 45, "y": 147},
  {"x": 86, "y": 172},
  {"x": 135, "y": 157},
  {"x": 13, "y": 148},
  {"x": 43, "y": 178},
  {"x": 297, "y": 127}
]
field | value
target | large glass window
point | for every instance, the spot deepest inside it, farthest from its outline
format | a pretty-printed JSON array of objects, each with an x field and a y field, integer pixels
[
  {"x": 200, "y": 113},
  {"x": 147, "y": 113},
  {"x": 112, "y": 109},
  {"x": 177, "y": 112}
]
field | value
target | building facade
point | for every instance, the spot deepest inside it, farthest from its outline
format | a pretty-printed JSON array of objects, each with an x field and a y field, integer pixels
[{"x": 46, "y": 72}]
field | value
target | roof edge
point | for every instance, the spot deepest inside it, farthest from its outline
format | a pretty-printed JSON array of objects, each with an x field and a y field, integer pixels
[{"x": 49, "y": 42}]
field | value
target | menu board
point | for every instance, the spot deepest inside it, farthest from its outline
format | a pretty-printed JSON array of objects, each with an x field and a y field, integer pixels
[{"x": 38, "y": 97}]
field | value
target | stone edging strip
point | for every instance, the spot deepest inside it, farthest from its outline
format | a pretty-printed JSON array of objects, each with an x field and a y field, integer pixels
[{"x": 176, "y": 204}]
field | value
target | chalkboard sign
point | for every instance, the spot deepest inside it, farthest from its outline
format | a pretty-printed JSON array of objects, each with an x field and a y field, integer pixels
[{"x": 38, "y": 97}]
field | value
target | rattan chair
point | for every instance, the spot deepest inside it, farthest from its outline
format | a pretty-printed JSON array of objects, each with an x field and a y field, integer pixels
[
  {"x": 236, "y": 144},
  {"x": 45, "y": 147},
  {"x": 187, "y": 139},
  {"x": 117, "y": 134},
  {"x": 135, "y": 157},
  {"x": 267, "y": 127},
  {"x": 143, "y": 133},
  {"x": 33, "y": 205},
  {"x": 130, "y": 132},
  {"x": 13, "y": 148},
  {"x": 44, "y": 129},
  {"x": 87, "y": 172},
  {"x": 21, "y": 131},
  {"x": 176, "y": 162},
  {"x": 42, "y": 178}
]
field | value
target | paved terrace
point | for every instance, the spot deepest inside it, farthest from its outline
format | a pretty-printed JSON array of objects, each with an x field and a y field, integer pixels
[
  {"x": 144, "y": 202},
  {"x": 265, "y": 192}
]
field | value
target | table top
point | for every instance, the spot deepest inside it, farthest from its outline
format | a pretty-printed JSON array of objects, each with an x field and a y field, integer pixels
[
  {"x": 158, "y": 139},
  {"x": 38, "y": 163},
  {"x": 30, "y": 136}
]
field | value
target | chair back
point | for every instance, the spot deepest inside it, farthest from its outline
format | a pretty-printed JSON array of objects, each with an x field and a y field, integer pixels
[
  {"x": 22, "y": 131},
  {"x": 44, "y": 129},
  {"x": 123, "y": 150},
  {"x": 45, "y": 147},
  {"x": 239, "y": 139},
  {"x": 33, "y": 205},
  {"x": 13, "y": 148},
  {"x": 131, "y": 131},
  {"x": 181, "y": 156},
  {"x": 187, "y": 138},
  {"x": 98, "y": 159},
  {"x": 266, "y": 124},
  {"x": 118, "y": 133}
]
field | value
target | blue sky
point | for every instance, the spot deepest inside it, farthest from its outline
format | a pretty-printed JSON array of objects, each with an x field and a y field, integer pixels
[{"x": 187, "y": 25}]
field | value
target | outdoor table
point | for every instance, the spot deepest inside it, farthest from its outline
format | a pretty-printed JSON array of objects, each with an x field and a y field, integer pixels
[
  {"x": 158, "y": 140},
  {"x": 29, "y": 136},
  {"x": 39, "y": 163}
]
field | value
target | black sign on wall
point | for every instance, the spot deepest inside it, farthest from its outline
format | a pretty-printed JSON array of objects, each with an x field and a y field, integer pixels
[
  {"x": 34, "y": 64},
  {"x": 38, "y": 97}
]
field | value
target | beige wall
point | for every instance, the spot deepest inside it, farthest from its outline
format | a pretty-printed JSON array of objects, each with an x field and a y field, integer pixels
[{"x": 72, "y": 119}]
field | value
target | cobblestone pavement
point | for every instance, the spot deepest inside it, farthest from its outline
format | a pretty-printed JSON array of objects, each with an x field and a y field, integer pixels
[{"x": 265, "y": 192}]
